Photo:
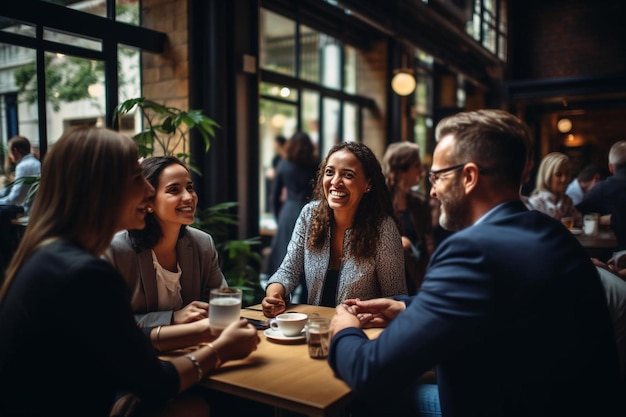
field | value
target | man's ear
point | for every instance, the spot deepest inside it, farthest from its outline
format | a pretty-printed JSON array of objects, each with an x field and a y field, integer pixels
[{"x": 470, "y": 176}]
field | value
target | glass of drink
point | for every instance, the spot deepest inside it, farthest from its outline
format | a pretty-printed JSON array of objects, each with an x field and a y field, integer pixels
[
  {"x": 318, "y": 337},
  {"x": 224, "y": 308},
  {"x": 568, "y": 222},
  {"x": 590, "y": 224}
]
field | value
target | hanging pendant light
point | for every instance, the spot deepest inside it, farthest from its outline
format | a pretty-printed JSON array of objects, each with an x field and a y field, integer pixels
[{"x": 403, "y": 82}]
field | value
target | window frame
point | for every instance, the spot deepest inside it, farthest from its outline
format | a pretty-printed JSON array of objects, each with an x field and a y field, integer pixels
[{"x": 106, "y": 30}]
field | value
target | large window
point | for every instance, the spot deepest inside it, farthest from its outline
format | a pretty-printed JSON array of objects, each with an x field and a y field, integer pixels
[
  {"x": 309, "y": 83},
  {"x": 489, "y": 26},
  {"x": 70, "y": 63}
]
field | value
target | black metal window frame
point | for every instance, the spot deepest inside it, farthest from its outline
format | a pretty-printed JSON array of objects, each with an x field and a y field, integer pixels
[{"x": 43, "y": 15}]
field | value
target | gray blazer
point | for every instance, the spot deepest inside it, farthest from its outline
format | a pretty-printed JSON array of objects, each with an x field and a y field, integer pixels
[{"x": 199, "y": 264}]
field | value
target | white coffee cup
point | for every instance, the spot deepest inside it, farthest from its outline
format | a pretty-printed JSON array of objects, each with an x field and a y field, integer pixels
[
  {"x": 289, "y": 324},
  {"x": 590, "y": 224}
]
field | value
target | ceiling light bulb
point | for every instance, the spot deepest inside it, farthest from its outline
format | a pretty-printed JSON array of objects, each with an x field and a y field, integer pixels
[
  {"x": 403, "y": 83},
  {"x": 564, "y": 125}
]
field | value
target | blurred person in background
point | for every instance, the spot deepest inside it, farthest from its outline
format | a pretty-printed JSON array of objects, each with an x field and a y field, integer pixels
[
  {"x": 270, "y": 174},
  {"x": 26, "y": 165},
  {"x": 403, "y": 172},
  {"x": 584, "y": 181},
  {"x": 14, "y": 201},
  {"x": 549, "y": 195},
  {"x": 293, "y": 186},
  {"x": 608, "y": 197}
]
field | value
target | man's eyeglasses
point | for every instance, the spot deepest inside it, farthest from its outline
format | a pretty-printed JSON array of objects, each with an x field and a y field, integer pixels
[{"x": 433, "y": 176}]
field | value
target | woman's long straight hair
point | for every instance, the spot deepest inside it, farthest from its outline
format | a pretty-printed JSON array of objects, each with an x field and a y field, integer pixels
[{"x": 83, "y": 178}]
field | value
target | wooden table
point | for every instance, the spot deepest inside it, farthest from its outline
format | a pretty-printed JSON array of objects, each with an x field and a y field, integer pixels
[
  {"x": 283, "y": 375},
  {"x": 600, "y": 246}
]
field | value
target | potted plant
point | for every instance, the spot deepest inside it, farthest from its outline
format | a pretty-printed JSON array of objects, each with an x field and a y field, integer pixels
[{"x": 167, "y": 128}]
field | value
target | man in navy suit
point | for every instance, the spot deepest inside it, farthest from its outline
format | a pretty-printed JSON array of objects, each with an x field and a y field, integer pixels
[{"x": 511, "y": 313}]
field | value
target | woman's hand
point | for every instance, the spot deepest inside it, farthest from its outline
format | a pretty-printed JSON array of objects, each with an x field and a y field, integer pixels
[
  {"x": 237, "y": 340},
  {"x": 194, "y": 311},
  {"x": 274, "y": 302}
]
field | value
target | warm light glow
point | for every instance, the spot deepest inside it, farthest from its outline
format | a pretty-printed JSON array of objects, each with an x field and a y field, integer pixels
[
  {"x": 285, "y": 92},
  {"x": 278, "y": 120},
  {"x": 564, "y": 125},
  {"x": 571, "y": 140},
  {"x": 403, "y": 83},
  {"x": 96, "y": 90}
]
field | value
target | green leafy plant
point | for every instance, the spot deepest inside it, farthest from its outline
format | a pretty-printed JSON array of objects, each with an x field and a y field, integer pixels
[
  {"x": 167, "y": 128},
  {"x": 240, "y": 263}
]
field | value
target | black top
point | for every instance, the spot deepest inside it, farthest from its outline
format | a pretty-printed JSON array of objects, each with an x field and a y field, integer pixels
[
  {"x": 329, "y": 293},
  {"x": 70, "y": 341}
]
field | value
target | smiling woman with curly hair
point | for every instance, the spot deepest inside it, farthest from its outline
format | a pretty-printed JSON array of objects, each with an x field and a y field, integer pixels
[{"x": 346, "y": 241}]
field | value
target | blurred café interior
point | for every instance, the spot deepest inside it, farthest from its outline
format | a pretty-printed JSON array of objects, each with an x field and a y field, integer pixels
[{"x": 341, "y": 70}]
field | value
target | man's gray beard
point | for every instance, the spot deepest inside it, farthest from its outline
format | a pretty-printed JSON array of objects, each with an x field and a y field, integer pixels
[
  {"x": 447, "y": 225},
  {"x": 457, "y": 221}
]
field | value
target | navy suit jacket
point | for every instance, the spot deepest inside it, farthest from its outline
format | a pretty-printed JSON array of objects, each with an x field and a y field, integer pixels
[{"x": 512, "y": 314}]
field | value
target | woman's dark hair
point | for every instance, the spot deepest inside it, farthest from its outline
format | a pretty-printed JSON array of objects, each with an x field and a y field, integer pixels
[
  {"x": 301, "y": 151},
  {"x": 149, "y": 236},
  {"x": 374, "y": 206}
]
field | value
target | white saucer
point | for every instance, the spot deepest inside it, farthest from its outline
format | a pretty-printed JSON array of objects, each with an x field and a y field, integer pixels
[
  {"x": 576, "y": 231},
  {"x": 276, "y": 334}
]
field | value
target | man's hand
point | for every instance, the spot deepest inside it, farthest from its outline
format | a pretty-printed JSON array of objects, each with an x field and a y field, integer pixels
[
  {"x": 343, "y": 319},
  {"x": 377, "y": 312}
]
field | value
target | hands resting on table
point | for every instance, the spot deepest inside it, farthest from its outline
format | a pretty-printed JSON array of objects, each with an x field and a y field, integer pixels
[{"x": 365, "y": 314}]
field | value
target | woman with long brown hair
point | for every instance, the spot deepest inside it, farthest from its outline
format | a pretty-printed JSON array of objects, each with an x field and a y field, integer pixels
[{"x": 65, "y": 312}]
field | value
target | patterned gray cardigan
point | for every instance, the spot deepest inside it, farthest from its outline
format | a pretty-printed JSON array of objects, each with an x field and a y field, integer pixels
[{"x": 380, "y": 276}]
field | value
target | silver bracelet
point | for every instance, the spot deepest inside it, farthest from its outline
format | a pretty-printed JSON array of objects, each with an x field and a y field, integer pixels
[{"x": 195, "y": 362}]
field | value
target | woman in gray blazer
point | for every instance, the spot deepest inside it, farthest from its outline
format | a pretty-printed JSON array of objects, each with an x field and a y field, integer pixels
[{"x": 170, "y": 268}]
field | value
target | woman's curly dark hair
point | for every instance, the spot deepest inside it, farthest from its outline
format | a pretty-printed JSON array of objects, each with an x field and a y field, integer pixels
[
  {"x": 373, "y": 208},
  {"x": 149, "y": 236}
]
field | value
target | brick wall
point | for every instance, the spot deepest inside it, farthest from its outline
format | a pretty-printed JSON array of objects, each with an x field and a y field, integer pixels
[
  {"x": 166, "y": 76},
  {"x": 567, "y": 38}
]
